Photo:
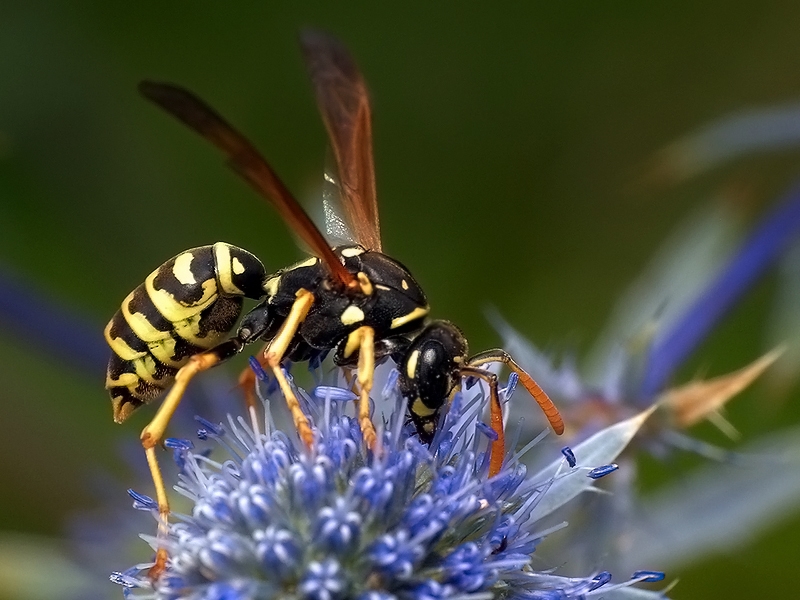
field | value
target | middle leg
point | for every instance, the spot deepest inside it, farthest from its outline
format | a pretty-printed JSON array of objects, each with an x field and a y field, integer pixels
[{"x": 361, "y": 340}]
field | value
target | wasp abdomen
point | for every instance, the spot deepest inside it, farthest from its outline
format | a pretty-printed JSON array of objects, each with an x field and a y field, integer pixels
[{"x": 187, "y": 305}]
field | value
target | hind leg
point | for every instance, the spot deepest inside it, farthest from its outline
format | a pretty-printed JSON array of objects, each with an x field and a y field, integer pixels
[{"x": 153, "y": 434}]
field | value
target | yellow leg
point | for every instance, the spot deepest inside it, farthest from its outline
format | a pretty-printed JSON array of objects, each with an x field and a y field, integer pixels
[
  {"x": 275, "y": 352},
  {"x": 497, "y": 451},
  {"x": 163, "y": 513},
  {"x": 366, "y": 374},
  {"x": 542, "y": 399},
  {"x": 153, "y": 435}
]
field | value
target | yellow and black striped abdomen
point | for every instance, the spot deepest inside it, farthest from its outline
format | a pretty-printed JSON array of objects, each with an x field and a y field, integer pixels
[{"x": 188, "y": 305}]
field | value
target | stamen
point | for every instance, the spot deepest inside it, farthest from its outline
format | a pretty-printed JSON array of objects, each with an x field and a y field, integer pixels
[
  {"x": 649, "y": 576},
  {"x": 486, "y": 430},
  {"x": 508, "y": 391},
  {"x": 142, "y": 502},
  {"x": 209, "y": 428},
  {"x": 569, "y": 455},
  {"x": 178, "y": 444},
  {"x": 258, "y": 369},
  {"x": 600, "y": 580},
  {"x": 337, "y": 394},
  {"x": 599, "y": 472}
]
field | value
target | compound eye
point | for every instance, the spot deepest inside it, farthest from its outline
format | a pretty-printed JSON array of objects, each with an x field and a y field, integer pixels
[{"x": 432, "y": 358}]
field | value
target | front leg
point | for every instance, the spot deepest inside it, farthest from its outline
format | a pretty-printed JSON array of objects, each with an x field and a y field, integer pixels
[
  {"x": 391, "y": 347},
  {"x": 276, "y": 350}
]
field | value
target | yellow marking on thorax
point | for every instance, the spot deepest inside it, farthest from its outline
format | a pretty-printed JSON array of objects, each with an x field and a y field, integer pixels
[
  {"x": 404, "y": 283},
  {"x": 238, "y": 267},
  {"x": 419, "y": 408},
  {"x": 174, "y": 310},
  {"x": 415, "y": 314},
  {"x": 351, "y": 314},
  {"x": 365, "y": 283},
  {"x": 411, "y": 366},
  {"x": 351, "y": 252},
  {"x": 271, "y": 286},
  {"x": 309, "y": 262},
  {"x": 222, "y": 262},
  {"x": 182, "y": 269}
]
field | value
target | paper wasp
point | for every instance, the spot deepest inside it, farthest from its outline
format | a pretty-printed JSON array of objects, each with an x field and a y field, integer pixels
[{"x": 351, "y": 300}]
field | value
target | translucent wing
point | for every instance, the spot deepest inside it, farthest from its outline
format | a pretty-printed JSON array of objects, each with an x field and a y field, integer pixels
[
  {"x": 337, "y": 230},
  {"x": 247, "y": 162},
  {"x": 342, "y": 98}
]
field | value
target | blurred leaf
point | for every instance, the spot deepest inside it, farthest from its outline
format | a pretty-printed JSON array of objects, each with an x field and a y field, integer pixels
[
  {"x": 35, "y": 568},
  {"x": 784, "y": 323},
  {"x": 766, "y": 129},
  {"x": 682, "y": 267},
  {"x": 719, "y": 507}
]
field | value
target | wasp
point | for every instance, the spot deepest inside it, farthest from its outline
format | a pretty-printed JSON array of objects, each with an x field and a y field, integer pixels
[{"x": 352, "y": 299}]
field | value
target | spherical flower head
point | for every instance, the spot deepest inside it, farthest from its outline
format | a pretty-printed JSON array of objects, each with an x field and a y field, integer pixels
[{"x": 337, "y": 521}]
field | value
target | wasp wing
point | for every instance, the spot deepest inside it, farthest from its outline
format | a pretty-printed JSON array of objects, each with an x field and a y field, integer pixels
[
  {"x": 245, "y": 160},
  {"x": 337, "y": 231},
  {"x": 343, "y": 101}
]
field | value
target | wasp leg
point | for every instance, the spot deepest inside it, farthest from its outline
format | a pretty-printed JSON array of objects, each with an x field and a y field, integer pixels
[
  {"x": 346, "y": 356},
  {"x": 247, "y": 379},
  {"x": 366, "y": 374},
  {"x": 542, "y": 399},
  {"x": 498, "y": 448},
  {"x": 153, "y": 433},
  {"x": 276, "y": 350},
  {"x": 363, "y": 341}
]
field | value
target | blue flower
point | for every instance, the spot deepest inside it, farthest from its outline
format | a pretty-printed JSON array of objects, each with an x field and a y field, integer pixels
[
  {"x": 655, "y": 328},
  {"x": 276, "y": 520},
  {"x": 692, "y": 285}
]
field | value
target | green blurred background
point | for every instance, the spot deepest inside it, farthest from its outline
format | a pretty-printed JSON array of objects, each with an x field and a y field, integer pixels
[{"x": 510, "y": 147}]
